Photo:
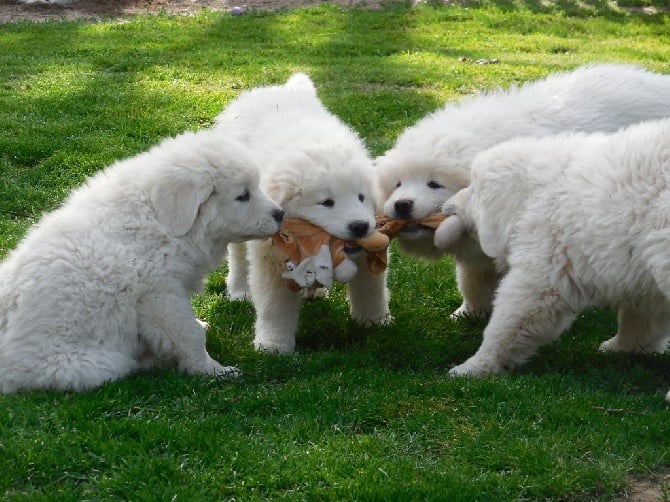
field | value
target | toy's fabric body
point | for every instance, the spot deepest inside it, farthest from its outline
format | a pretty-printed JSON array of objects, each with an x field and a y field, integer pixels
[{"x": 309, "y": 257}]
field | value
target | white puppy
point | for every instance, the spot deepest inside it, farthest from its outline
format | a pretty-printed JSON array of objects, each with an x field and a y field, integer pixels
[
  {"x": 574, "y": 220},
  {"x": 101, "y": 286},
  {"x": 318, "y": 169},
  {"x": 431, "y": 160}
]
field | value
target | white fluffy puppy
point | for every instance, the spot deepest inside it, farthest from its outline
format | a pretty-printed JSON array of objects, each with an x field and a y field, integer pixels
[
  {"x": 431, "y": 160},
  {"x": 101, "y": 286},
  {"x": 575, "y": 220},
  {"x": 318, "y": 169}
]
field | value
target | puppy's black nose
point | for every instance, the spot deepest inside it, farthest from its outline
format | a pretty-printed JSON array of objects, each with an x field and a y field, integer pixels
[
  {"x": 403, "y": 207},
  {"x": 359, "y": 228},
  {"x": 278, "y": 215}
]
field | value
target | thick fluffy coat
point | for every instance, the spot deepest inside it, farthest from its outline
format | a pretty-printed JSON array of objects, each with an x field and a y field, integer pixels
[
  {"x": 573, "y": 220},
  {"x": 318, "y": 169},
  {"x": 101, "y": 286},
  {"x": 431, "y": 160}
]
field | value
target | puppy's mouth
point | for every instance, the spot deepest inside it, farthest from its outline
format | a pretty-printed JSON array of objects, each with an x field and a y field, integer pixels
[
  {"x": 351, "y": 248},
  {"x": 415, "y": 230}
]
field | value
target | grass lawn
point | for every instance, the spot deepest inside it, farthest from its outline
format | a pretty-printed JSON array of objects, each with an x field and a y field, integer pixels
[{"x": 357, "y": 413}]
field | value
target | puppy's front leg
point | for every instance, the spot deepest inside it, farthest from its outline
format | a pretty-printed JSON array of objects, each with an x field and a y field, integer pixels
[
  {"x": 277, "y": 307},
  {"x": 368, "y": 295},
  {"x": 170, "y": 331},
  {"x": 238, "y": 271},
  {"x": 524, "y": 317}
]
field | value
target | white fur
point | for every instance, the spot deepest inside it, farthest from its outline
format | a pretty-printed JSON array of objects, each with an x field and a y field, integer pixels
[
  {"x": 101, "y": 286},
  {"x": 574, "y": 220},
  {"x": 307, "y": 156},
  {"x": 439, "y": 149}
]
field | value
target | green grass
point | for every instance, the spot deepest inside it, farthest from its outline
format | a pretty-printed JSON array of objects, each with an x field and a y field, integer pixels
[{"x": 357, "y": 413}]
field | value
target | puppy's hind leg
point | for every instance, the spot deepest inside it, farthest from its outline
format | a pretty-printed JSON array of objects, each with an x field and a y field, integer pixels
[
  {"x": 171, "y": 334},
  {"x": 75, "y": 368},
  {"x": 477, "y": 283},
  {"x": 524, "y": 318},
  {"x": 644, "y": 323},
  {"x": 237, "y": 283},
  {"x": 643, "y": 328}
]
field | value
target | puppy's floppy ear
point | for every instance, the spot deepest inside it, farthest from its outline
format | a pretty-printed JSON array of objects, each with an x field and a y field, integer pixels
[
  {"x": 495, "y": 216},
  {"x": 492, "y": 236},
  {"x": 177, "y": 199}
]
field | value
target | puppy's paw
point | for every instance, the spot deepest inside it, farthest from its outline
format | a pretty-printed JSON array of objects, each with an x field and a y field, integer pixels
[
  {"x": 209, "y": 366},
  {"x": 228, "y": 372},
  {"x": 472, "y": 369},
  {"x": 609, "y": 345},
  {"x": 466, "y": 310},
  {"x": 314, "y": 293},
  {"x": 618, "y": 344},
  {"x": 449, "y": 232},
  {"x": 374, "y": 320},
  {"x": 238, "y": 295},
  {"x": 274, "y": 347}
]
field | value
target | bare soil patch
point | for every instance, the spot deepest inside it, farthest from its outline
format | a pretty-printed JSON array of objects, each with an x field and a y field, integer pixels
[{"x": 13, "y": 10}]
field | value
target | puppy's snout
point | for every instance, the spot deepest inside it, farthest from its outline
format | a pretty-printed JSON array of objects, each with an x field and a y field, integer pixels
[
  {"x": 403, "y": 207},
  {"x": 278, "y": 215},
  {"x": 359, "y": 228}
]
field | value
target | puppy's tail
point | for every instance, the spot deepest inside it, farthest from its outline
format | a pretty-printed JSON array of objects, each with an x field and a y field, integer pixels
[{"x": 301, "y": 82}]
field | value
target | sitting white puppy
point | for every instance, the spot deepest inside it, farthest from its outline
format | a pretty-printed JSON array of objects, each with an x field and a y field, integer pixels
[
  {"x": 431, "y": 160},
  {"x": 573, "y": 221},
  {"x": 101, "y": 286},
  {"x": 318, "y": 169}
]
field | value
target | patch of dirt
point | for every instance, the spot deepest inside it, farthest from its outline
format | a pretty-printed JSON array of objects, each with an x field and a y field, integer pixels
[
  {"x": 657, "y": 490},
  {"x": 44, "y": 10}
]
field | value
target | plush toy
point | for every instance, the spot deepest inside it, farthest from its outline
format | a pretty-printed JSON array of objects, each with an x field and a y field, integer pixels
[{"x": 310, "y": 257}]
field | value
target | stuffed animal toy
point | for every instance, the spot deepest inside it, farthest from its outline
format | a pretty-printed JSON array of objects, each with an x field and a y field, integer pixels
[{"x": 309, "y": 257}]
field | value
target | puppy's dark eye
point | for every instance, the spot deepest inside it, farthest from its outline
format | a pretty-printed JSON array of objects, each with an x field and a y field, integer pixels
[
  {"x": 435, "y": 184},
  {"x": 244, "y": 197},
  {"x": 361, "y": 197},
  {"x": 397, "y": 185},
  {"x": 327, "y": 203}
]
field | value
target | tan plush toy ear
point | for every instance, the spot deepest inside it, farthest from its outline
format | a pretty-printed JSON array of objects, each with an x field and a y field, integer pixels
[
  {"x": 376, "y": 241},
  {"x": 287, "y": 255},
  {"x": 376, "y": 248}
]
